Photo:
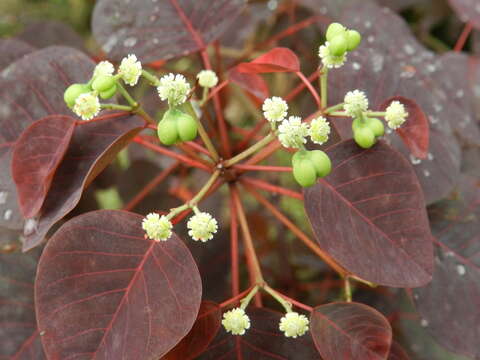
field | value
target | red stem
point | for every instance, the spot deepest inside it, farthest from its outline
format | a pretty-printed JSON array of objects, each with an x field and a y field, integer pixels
[
  {"x": 310, "y": 87},
  {"x": 250, "y": 135},
  {"x": 234, "y": 247},
  {"x": 296, "y": 91},
  {"x": 236, "y": 298},
  {"x": 295, "y": 302},
  {"x": 272, "y": 188},
  {"x": 263, "y": 168},
  {"x": 463, "y": 37},
  {"x": 197, "y": 147}
]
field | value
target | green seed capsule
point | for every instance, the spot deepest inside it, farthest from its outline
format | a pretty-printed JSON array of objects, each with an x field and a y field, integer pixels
[
  {"x": 338, "y": 45},
  {"x": 376, "y": 126},
  {"x": 356, "y": 123},
  {"x": 364, "y": 137},
  {"x": 103, "y": 83},
  {"x": 353, "y": 39},
  {"x": 304, "y": 172},
  {"x": 74, "y": 91},
  {"x": 334, "y": 29},
  {"x": 300, "y": 155},
  {"x": 321, "y": 162},
  {"x": 109, "y": 93},
  {"x": 167, "y": 129},
  {"x": 187, "y": 126}
]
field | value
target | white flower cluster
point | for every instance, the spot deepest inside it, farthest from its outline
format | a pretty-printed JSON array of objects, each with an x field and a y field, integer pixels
[
  {"x": 293, "y": 324},
  {"x": 330, "y": 61},
  {"x": 202, "y": 226},
  {"x": 293, "y": 132},
  {"x": 103, "y": 68},
  {"x": 395, "y": 114},
  {"x": 355, "y": 103},
  {"x": 207, "y": 79},
  {"x": 130, "y": 70},
  {"x": 174, "y": 89},
  {"x": 275, "y": 109},
  {"x": 157, "y": 227},
  {"x": 87, "y": 105},
  {"x": 236, "y": 321},
  {"x": 319, "y": 130}
]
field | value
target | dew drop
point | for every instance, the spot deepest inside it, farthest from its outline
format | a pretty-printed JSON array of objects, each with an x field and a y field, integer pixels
[
  {"x": 430, "y": 156},
  {"x": 129, "y": 42},
  {"x": 431, "y": 68},
  {"x": 272, "y": 4},
  {"x": 424, "y": 322},
  {"x": 415, "y": 296},
  {"x": 461, "y": 269},
  {"x": 7, "y": 215},
  {"x": 3, "y": 197},
  {"x": 323, "y": 10},
  {"x": 438, "y": 107},
  {"x": 459, "y": 93},
  {"x": 433, "y": 119},
  {"x": 356, "y": 66},
  {"x": 152, "y": 18},
  {"x": 377, "y": 63},
  {"x": 368, "y": 24},
  {"x": 426, "y": 172},
  {"x": 371, "y": 39},
  {"x": 449, "y": 254},
  {"x": 409, "y": 49},
  {"x": 414, "y": 160},
  {"x": 155, "y": 41},
  {"x": 29, "y": 227}
]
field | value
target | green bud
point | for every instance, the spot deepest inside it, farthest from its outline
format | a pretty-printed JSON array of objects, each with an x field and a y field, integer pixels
[
  {"x": 167, "y": 129},
  {"x": 334, "y": 29},
  {"x": 73, "y": 92},
  {"x": 304, "y": 172},
  {"x": 108, "y": 93},
  {"x": 376, "y": 126},
  {"x": 187, "y": 126},
  {"x": 364, "y": 137},
  {"x": 103, "y": 83},
  {"x": 321, "y": 162},
  {"x": 353, "y": 39},
  {"x": 338, "y": 45}
]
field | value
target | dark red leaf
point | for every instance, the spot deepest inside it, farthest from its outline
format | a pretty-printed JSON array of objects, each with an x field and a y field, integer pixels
[
  {"x": 415, "y": 131},
  {"x": 32, "y": 88},
  {"x": 93, "y": 146},
  {"x": 19, "y": 338},
  {"x": 276, "y": 60},
  {"x": 452, "y": 296},
  {"x": 161, "y": 29},
  {"x": 200, "y": 336},
  {"x": 397, "y": 352},
  {"x": 350, "y": 331},
  {"x": 369, "y": 215},
  {"x": 47, "y": 33},
  {"x": 36, "y": 156},
  {"x": 12, "y": 50},
  {"x": 263, "y": 341},
  {"x": 253, "y": 83},
  {"x": 103, "y": 291},
  {"x": 467, "y": 10}
]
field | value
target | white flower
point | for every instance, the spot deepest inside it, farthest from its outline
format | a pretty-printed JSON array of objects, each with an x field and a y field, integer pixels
[
  {"x": 202, "y": 226},
  {"x": 293, "y": 324},
  {"x": 173, "y": 88},
  {"x": 275, "y": 109},
  {"x": 130, "y": 70},
  {"x": 292, "y": 132},
  {"x": 236, "y": 321},
  {"x": 207, "y": 78},
  {"x": 319, "y": 130},
  {"x": 328, "y": 59},
  {"x": 157, "y": 228},
  {"x": 355, "y": 102},
  {"x": 395, "y": 115},
  {"x": 103, "y": 68},
  {"x": 87, "y": 105}
]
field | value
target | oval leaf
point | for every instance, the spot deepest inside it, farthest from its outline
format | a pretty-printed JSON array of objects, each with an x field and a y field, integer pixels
[
  {"x": 253, "y": 83},
  {"x": 36, "y": 156},
  {"x": 161, "y": 29},
  {"x": 19, "y": 338},
  {"x": 415, "y": 131},
  {"x": 369, "y": 215},
  {"x": 263, "y": 341},
  {"x": 93, "y": 146},
  {"x": 203, "y": 331},
  {"x": 12, "y": 50},
  {"x": 276, "y": 60},
  {"x": 350, "y": 331},
  {"x": 103, "y": 291}
]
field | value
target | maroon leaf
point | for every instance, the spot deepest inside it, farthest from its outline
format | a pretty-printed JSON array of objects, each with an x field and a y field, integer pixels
[
  {"x": 103, "y": 291},
  {"x": 452, "y": 296},
  {"x": 12, "y": 50},
  {"x": 200, "y": 336},
  {"x": 161, "y": 29},
  {"x": 47, "y": 33},
  {"x": 467, "y": 10},
  {"x": 32, "y": 88},
  {"x": 350, "y": 331},
  {"x": 369, "y": 215},
  {"x": 93, "y": 146},
  {"x": 276, "y": 60},
  {"x": 263, "y": 341},
  {"x": 253, "y": 83},
  {"x": 397, "y": 352},
  {"x": 36, "y": 156},
  {"x": 19, "y": 338},
  {"x": 415, "y": 131}
]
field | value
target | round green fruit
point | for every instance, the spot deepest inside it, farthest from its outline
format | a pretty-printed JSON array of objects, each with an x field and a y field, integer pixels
[
  {"x": 321, "y": 162},
  {"x": 187, "y": 127},
  {"x": 338, "y": 45},
  {"x": 376, "y": 126},
  {"x": 304, "y": 172},
  {"x": 167, "y": 129},
  {"x": 108, "y": 93},
  {"x": 334, "y": 29},
  {"x": 353, "y": 39},
  {"x": 73, "y": 92},
  {"x": 356, "y": 123},
  {"x": 364, "y": 137},
  {"x": 103, "y": 83}
]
